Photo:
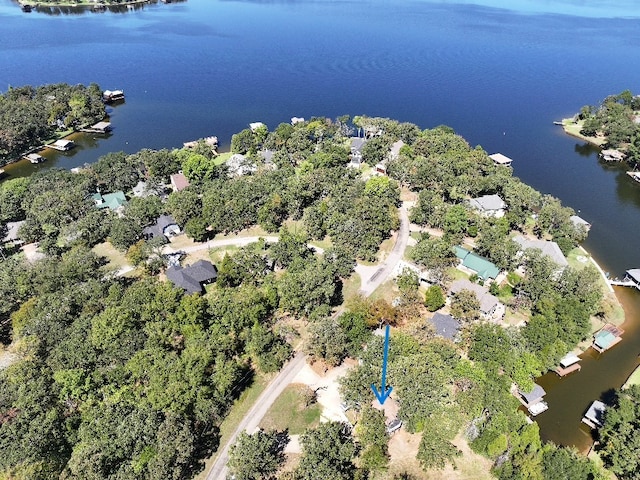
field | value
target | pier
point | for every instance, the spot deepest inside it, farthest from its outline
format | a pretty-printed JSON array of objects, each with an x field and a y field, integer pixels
[{"x": 631, "y": 279}]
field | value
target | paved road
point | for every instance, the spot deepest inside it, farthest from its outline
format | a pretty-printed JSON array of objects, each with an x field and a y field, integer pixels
[{"x": 252, "y": 419}]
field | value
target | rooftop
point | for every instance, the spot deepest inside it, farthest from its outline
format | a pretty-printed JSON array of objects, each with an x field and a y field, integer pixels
[
  {"x": 487, "y": 301},
  {"x": 488, "y": 203},
  {"x": 501, "y": 159},
  {"x": 548, "y": 249},
  {"x": 595, "y": 413},
  {"x": 179, "y": 181},
  {"x": 534, "y": 395},
  {"x": 192, "y": 277},
  {"x": 445, "y": 325}
]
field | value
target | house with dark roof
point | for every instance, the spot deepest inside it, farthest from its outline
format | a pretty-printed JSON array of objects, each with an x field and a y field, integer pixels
[
  {"x": 193, "y": 277},
  {"x": 445, "y": 325},
  {"x": 165, "y": 226},
  {"x": 356, "y": 144}
]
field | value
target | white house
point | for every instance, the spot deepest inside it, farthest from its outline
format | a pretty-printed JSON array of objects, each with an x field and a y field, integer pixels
[{"x": 489, "y": 206}]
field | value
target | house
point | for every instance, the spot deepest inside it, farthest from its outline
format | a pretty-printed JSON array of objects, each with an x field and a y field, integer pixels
[
  {"x": 489, "y": 206},
  {"x": 113, "y": 201},
  {"x": 356, "y": 144},
  {"x": 142, "y": 190},
  {"x": 547, "y": 248},
  {"x": 500, "y": 159},
  {"x": 164, "y": 227},
  {"x": 12, "y": 232},
  {"x": 595, "y": 414},
  {"x": 476, "y": 264},
  {"x": 445, "y": 325},
  {"x": 240, "y": 165},
  {"x": 394, "y": 152},
  {"x": 193, "y": 277},
  {"x": 579, "y": 222},
  {"x": 179, "y": 182},
  {"x": 490, "y": 306}
]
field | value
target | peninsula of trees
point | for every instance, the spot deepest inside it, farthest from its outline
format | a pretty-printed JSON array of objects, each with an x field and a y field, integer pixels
[
  {"x": 128, "y": 376},
  {"x": 31, "y": 115},
  {"x": 614, "y": 124}
]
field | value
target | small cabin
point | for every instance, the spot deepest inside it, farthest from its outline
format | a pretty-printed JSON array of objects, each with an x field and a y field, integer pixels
[{"x": 595, "y": 414}]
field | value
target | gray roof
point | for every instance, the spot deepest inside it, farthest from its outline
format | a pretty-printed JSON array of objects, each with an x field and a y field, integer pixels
[
  {"x": 596, "y": 412},
  {"x": 267, "y": 155},
  {"x": 634, "y": 273},
  {"x": 548, "y": 249},
  {"x": 158, "y": 228},
  {"x": 395, "y": 148},
  {"x": 536, "y": 394},
  {"x": 487, "y": 301},
  {"x": 192, "y": 277},
  {"x": 357, "y": 143},
  {"x": 576, "y": 220},
  {"x": 445, "y": 325},
  {"x": 12, "y": 231},
  {"x": 488, "y": 203}
]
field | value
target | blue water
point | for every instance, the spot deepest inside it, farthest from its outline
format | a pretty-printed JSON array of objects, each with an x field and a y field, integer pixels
[{"x": 499, "y": 77}]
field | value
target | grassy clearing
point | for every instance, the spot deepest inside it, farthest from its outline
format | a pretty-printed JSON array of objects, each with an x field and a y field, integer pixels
[
  {"x": 115, "y": 258},
  {"x": 289, "y": 412},
  {"x": 573, "y": 128},
  {"x": 223, "y": 157},
  {"x": 239, "y": 409},
  {"x": 351, "y": 287}
]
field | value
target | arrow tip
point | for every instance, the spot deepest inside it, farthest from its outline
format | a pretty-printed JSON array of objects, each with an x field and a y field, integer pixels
[{"x": 381, "y": 395}]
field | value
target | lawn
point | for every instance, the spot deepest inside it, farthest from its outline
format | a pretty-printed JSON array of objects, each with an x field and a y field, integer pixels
[
  {"x": 223, "y": 157},
  {"x": 351, "y": 287},
  {"x": 116, "y": 260},
  {"x": 289, "y": 412},
  {"x": 573, "y": 129},
  {"x": 634, "y": 379}
]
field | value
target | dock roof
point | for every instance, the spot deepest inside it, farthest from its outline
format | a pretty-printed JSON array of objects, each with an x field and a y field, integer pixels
[
  {"x": 634, "y": 273},
  {"x": 501, "y": 159},
  {"x": 595, "y": 413},
  {"x": 569, "y": 359},
  {"x": 604, "y": 339},
  {"x": 534, "y": 395}
]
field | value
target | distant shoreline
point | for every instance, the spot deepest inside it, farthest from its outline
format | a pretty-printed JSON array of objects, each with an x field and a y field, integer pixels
[{"x": 84, "y": 3}]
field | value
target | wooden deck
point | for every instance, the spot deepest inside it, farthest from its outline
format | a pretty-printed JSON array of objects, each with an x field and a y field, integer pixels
[{"x": 562, "y": 371}]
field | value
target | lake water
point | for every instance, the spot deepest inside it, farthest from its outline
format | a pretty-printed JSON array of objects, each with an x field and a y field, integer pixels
[{"x": 498, "y": 77}]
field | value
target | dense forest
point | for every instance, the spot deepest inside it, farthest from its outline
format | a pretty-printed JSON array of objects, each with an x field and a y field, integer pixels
[
  {"x": 31, "y": 115},
  {"x": 617, "y": 119},
  {"x": 129, "y": 377}
]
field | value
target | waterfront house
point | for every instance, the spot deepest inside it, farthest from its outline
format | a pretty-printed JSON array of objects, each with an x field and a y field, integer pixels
[
  {"x": 490, "y": 306},
  {"x": 445, "y": 325},
  {"x": 500, "y": 159},
  {"x": 394, "y": 152},
  {"x": 568, "y": 364},
  {"x": 62, "y": 145},
  {"x": 192, "y": 278},
  {"x": 489, "y": 206},
  {"x": 179, "y": 182},
  {"x": 595, "y": 414},
  {"x": 607, "y": 337},
  {"x": 356, "y": 144},
  {"x": 113, "y": 201},
  {"x": 476, "y": 264},
  {"x": 547, "y": 248},
  {"x": 579, "y": 222},
  {"x": 164, "y": 227},
  {"x": 239, "y": 165}
]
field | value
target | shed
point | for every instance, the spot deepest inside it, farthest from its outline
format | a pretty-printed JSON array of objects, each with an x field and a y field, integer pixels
[{"x": 445, "y": 325}]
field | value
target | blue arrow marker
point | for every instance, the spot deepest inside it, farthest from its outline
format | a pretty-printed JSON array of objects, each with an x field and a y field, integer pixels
[{"x": 384, "y": 392}]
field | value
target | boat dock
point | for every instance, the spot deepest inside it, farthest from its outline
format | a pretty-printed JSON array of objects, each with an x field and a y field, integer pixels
[
  {"x": 631, "y": 279},
  {"x": 568, "y": 364},
  {"x": 533, "y": 400},
  {"x": 634, "y": 175},
  {"x": 62, "y": 145},
  {"x": 595, "y": 414},
  {"x": 35, "y": 158},
  {"x": 607, "y": 337},
  {"x": 109, "y": 96},
  {"x": 100, "y": 127}
]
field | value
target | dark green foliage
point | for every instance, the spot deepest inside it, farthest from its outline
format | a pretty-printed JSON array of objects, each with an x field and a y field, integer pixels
[
  {"x": 355, "y": 329},
  {"x": 117, "y": 171},
  {"x": 29, "y": 116},
  {"x": 327, "y": 452},
  {"x": 372, "y": 436},
  {"x": 327, "y": 341},
  {"x": 561, "y": 463},
  {"x": 257, "y": 456},
  {"x": 434, "y": 298}
]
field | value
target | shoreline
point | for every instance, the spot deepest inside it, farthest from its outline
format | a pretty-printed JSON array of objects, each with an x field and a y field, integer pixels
[
  {"x": 572, "y": 128},
  {"x": 84, "y": 4}
]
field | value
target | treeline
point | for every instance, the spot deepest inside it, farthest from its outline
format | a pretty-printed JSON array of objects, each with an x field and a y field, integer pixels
[
  {"x": 618, "y": 119},
  {"x": 30, "y": 115}
]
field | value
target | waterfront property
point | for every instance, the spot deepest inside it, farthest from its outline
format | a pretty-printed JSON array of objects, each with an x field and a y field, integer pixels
[
  {"x": 356, "y": 144},
  {"x": 100, "y": 127},
  {"x": 35, "y": 158},
  {"x": 113, "y": 201},
  {"x": 611, "y": 155},
  {"x": 62, "y": 145},
  {"x": 547, "y": 248},
  {"x": 568, "y": 364},
  {"x": 579, "y": 222},
  {"x": 595, "y": 414},
  {"x": 500, "y": 159},
  {"x": 489, "y": 206},
  {"x": 607, "y": 337},
  {"x": 533, "y": 400},
  {"x": 164, "y": 227}
]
